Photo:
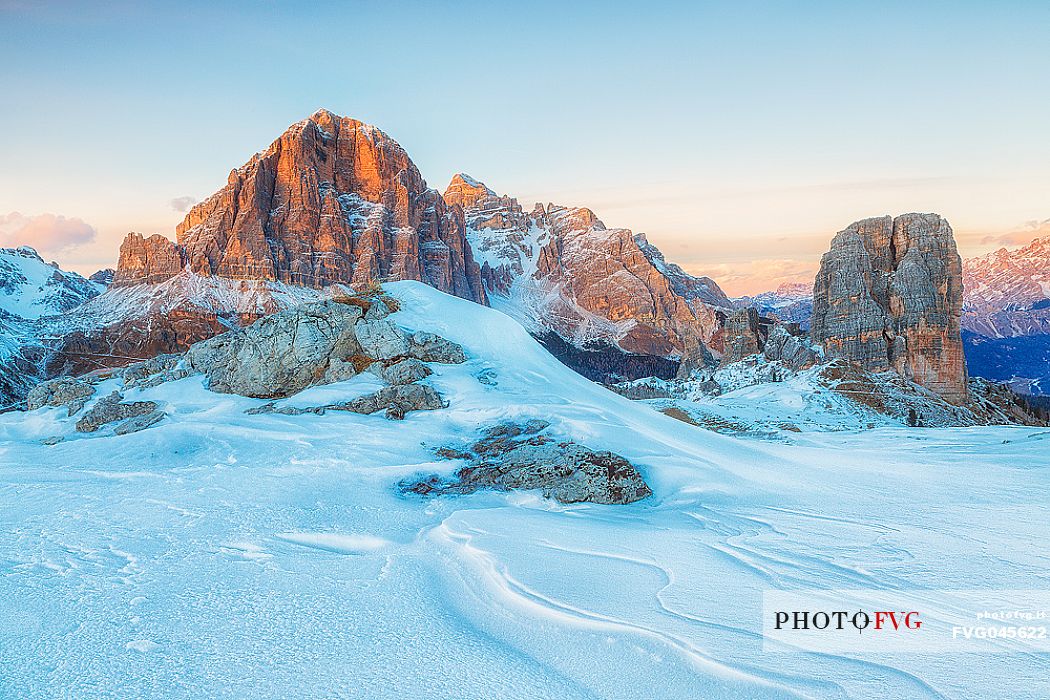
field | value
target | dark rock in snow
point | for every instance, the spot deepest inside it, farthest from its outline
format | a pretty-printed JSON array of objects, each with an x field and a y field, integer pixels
[
  {"x": 64, "y": 391},
  {"x": 109, "y": 409},
  {"x": 519, "y": 456},
  {"x": 429, "y": 347},
  {"x": 133, "y": 425},
  {"x": 405, "y": 372}
]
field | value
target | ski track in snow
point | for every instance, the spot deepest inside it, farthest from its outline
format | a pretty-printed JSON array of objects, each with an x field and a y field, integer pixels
[{"x": 224, "y": 555}]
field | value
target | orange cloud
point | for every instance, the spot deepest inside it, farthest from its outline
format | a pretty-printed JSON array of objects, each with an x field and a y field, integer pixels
[
  {"x": 47, "y": 233},
  {"x": 755, "y": 276}
]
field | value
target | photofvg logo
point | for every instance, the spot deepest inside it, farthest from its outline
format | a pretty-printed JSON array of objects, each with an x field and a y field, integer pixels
[{"x": 879, "y": 621}]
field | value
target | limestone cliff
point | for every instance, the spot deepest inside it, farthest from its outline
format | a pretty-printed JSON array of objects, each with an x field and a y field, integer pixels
[
  {"x": 889, "y": 296},
  {"x": 333, "y": 200}
]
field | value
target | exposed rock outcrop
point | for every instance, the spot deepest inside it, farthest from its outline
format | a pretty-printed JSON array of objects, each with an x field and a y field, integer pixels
[
  {"x": 520, "y": 456},
  {"x": 743, "y": 335},
  {"x": 147, "y": 260},
  {"x": 154, "y": 371},
  {"x": 396, "y": 400},
  {"x": 319, "y": 343},
  {"x": 889, "y": 296},
  {"x": 790, "y": 349},
  {"x": 430, "y": 347},
  {"x": 137, "y": 423},
  {"x": 280, "y": 354},
  {"x": 110, "y": 409},
  {"x": 381, "y": 339},
  {"x": 405, "y": 372},
  {"x": 746, "y": 333},
  {"x": 63, "y": 391},
  {"x": 559, "y": 269},
  {"x": 892, "y": 395}
]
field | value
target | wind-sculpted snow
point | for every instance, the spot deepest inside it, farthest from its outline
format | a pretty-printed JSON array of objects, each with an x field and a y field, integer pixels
[{"x": 220, "y": 554}]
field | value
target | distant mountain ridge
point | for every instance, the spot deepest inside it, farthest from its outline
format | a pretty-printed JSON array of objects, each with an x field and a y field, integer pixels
[
  {"x": 791, "y": 302},
  {"x": 334, "y": 203},
  {"x": 1008, "y": 291}
]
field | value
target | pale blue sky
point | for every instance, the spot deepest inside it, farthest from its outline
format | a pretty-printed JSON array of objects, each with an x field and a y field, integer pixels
[{"x": 739, "y": 136}]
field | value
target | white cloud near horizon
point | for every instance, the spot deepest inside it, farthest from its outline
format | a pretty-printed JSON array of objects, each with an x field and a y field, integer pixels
[
  {"x": 183, "y": 203},
  {"x": 47, "y": 233}
]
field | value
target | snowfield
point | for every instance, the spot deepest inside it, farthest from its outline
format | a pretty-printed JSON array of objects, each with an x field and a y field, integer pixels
[{"x": 224, "y": 555}]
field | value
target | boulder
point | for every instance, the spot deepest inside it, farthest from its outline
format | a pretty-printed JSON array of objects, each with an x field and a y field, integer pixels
[
  {"x": 377, "y": 310},
  {"x": 380, "y": 339},
  {"x": 519, "y": 456},
  {"x": 397, "y": 400},
  {"x": 154, "y": 371},
  {"x": 405, "y": 372},
  {"x": 137, "y": 423},
  {"x": 110, "y": 409},
  {"x": 64, "y": 391},
  {"x": 339, "y": 371},
  {"x": 280, "y": 354},
  {"x": 429, "y": 347}
]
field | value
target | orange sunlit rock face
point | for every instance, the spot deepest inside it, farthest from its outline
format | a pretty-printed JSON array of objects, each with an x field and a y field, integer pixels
[
  {"x": 332, "y": 200},
  {"x": 147, "y": 260}
]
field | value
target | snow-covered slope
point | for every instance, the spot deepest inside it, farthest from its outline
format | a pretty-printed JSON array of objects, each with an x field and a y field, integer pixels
[
  {"x": 219, "y": 554},
  {"x": 30, "y": 288},
  {"x": 187, "y": 293}
]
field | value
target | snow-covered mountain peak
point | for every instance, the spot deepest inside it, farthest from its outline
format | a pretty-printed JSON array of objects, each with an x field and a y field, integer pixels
[
  {"x": 466, "y": 191},
  {"x": 31, "y": 288}
]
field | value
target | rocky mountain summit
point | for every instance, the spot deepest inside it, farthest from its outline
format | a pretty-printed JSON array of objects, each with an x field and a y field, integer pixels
[
  {"x": 333, "y": 200},
  {"x": 888, "y": 296},
  {"x": 561, "y": 270}
]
